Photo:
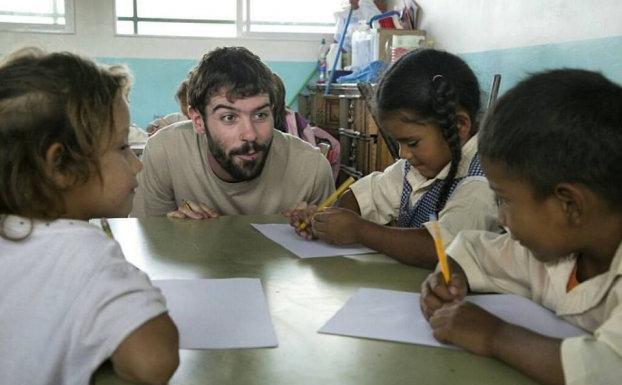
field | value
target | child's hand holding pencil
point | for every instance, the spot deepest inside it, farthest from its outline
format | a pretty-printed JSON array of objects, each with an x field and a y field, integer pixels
[
  {"x": 302, "y": 215},
  {"x": 339, "y": 226},
  {"x": 449, "y": 285}
]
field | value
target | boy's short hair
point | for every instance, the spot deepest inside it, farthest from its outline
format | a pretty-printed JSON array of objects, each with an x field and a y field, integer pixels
[
  {"x": 559, "y": 126},
  {"x": 234, "y": 69},
  {"x": 46, "y": 99}
]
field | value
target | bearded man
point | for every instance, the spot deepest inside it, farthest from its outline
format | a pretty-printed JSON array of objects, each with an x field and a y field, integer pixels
[{"x": 228, "y": 159}]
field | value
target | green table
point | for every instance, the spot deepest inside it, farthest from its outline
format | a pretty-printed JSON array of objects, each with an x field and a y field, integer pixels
[{"x": 302, "y": 295}]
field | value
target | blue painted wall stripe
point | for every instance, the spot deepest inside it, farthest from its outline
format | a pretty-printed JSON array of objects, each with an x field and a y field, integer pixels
[
  {"x": 514, "y": 64},
  {"x": 156, "y": 80}
]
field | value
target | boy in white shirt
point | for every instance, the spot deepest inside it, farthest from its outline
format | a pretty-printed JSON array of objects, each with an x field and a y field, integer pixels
[{"x": 551, "y": 151}]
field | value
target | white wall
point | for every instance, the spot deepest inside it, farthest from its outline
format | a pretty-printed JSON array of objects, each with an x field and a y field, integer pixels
[
  {"x": 463, "y": 26},
  {"x": 95, "y": 37}
]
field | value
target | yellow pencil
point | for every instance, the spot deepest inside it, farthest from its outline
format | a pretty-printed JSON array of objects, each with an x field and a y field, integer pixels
[
  {"x": 440, "y": 250},
  {"x": 106, "y": 227},
  {"x": 332, "y": 198},
  {"x": 186, "y": 205}
]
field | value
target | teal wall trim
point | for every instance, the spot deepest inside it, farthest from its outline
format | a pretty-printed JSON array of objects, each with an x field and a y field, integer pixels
[
  {"x": 514, "y": 64},
  {"x": 156, "y": 80}
]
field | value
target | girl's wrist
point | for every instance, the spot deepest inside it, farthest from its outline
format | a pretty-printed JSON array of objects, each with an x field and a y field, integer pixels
[{"x": 361, "y": 227}]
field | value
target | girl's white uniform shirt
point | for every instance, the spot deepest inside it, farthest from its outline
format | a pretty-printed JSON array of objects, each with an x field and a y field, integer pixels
[
  {"x": 471, "y": 205},
  {"x": 68, "y": 298}
]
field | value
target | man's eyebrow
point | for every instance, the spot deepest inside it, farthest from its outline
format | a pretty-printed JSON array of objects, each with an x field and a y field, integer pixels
[
  {"x": 228, "y": 107},
  {"x": 225, "y": 106},
  {"x": 263, "y": 106}
]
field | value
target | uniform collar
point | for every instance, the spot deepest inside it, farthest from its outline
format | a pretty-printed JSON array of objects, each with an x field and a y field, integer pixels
[
  {"x": 468, "y": 152},
  {"x": 588, "y": 293}
]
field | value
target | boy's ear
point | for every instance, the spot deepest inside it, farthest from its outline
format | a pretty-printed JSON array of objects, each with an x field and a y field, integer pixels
[
  {"x": 197, "y": 120},
  {"x": 573, "y": 202},
  {"x": 464, "y": 126},
  {"x": 52, "y": 163}
]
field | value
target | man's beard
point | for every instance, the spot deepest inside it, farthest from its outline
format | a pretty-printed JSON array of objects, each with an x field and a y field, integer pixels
[{"x": 249, "y": 169}]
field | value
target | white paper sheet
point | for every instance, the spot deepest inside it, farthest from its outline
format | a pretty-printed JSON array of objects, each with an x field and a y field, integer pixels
[
  {"x": 284, "y": 235},
  {"x": 219, "y": 313},
  {"x": 396, "y": 316}
]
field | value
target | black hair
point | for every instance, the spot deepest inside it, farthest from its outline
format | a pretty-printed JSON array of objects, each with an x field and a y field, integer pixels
[
  {"x": 432, "y": 85},
  {"x": 234, "y": 69},
  {"x": 559, "y": 126}
]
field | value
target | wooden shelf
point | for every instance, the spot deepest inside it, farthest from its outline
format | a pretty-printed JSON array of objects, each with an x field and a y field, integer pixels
[{"x": 344, "y": 115}]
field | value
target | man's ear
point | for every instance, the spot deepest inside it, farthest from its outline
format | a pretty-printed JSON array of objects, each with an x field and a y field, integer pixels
[
  {"x": 52, "y": 165},
  {"x": 573, "y": 200},
  {"x": 463, "y": 121},
  {"x": 197, "y": 120}
]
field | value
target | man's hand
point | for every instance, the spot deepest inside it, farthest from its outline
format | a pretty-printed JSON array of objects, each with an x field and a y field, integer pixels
[{"x": 194, "y": 210}]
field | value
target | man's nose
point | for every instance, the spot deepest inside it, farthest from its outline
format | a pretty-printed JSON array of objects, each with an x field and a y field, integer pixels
[{"x": 248, "y": 133}]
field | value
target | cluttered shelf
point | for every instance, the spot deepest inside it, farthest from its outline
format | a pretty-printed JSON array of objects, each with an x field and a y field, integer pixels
[
  {"x": 369, "y": 37},
  {"x": 345, "y": 114}
]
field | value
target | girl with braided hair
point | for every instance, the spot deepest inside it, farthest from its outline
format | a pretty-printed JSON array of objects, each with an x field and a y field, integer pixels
[{"x": 429, "y": 102}]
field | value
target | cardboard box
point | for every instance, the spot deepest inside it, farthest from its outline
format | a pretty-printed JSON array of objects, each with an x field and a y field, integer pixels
[{"x": 384, "y": 41}]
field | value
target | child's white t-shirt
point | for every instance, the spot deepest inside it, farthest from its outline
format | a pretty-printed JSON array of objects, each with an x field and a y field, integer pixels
[{"x": 68, "y": 298}]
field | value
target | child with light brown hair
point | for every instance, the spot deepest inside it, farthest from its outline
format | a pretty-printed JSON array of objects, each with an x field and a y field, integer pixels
[{"x": 68, "y": 298}]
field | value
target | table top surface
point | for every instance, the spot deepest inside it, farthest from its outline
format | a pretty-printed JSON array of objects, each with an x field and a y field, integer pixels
[{"x": 302, "y": 294}]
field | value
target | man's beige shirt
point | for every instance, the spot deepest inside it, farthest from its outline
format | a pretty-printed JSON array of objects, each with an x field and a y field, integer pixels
[
  {"x": 175, "y": 167},
  {"x": 494, "y": 262}
]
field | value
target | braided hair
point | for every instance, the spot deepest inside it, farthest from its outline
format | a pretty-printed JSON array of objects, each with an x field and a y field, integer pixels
[{"x": 433, "y": 85}]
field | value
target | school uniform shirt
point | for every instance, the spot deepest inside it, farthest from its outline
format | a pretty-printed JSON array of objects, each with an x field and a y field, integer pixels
[
  {"x": 68, "y": 298},
  {"x": 494, "y": 262},
  {"x": 175, "y": 167},
  {"x": 470, "y": 206}
]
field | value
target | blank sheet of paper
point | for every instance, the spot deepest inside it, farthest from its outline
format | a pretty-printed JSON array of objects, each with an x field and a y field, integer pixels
[
  {"x": 396, "y": 316},
  {"x": 219, "y": 313},
  {"x": 284, "y": 235}
]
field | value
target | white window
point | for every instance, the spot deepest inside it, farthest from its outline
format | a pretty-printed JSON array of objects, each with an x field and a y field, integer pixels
[
  {"x": 225, "y": 18},
  {"x": 37, "y": 15}
]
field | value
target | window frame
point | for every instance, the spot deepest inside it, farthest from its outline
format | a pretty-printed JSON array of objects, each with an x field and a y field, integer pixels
[
  {"x": 241, "y": 22},
  {"x": 68, "y": 28}
]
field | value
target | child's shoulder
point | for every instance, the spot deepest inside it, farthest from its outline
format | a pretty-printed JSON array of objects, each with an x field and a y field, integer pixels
[
  {"x": 76, "y": 245},
  {"x": 71, "y": 254}
]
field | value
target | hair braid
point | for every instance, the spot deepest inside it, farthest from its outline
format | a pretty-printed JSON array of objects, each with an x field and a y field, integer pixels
[{"x": 444, "y": 104}]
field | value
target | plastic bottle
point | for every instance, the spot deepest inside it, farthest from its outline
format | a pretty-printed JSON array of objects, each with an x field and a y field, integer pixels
[
  {"x": 322, "y": 63},
  {"x": 362, "y": 48}
]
